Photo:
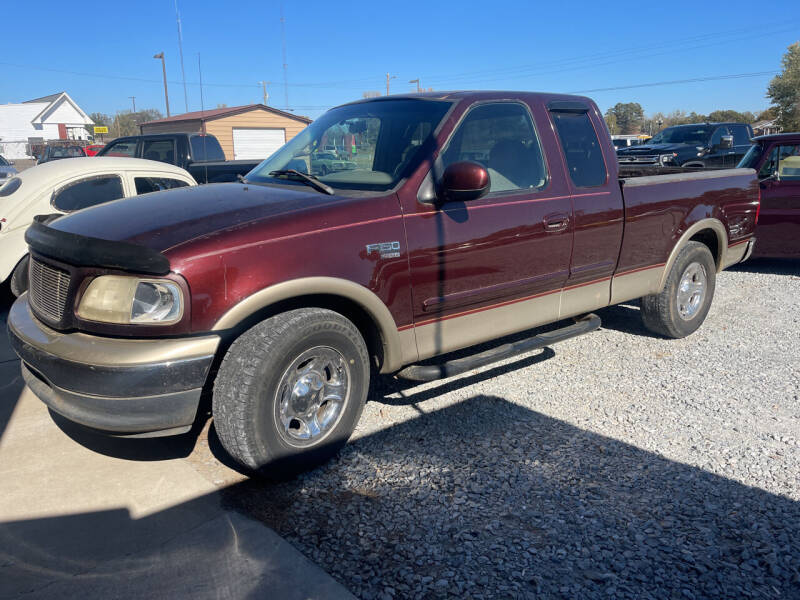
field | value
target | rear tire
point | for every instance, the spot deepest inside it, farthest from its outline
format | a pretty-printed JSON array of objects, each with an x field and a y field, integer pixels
[
  {"x": 291, "y": 390},
  {"x": 682, "y": 305},
  {"x": 19, "y": 277}
]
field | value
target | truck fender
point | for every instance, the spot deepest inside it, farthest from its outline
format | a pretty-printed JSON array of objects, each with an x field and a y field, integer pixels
[
  {"x": 399, "y": 348},
  {"x": 712, "y": 224}
]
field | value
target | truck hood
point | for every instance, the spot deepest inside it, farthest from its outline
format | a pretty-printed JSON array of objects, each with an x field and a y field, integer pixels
[{"x": 166, "y": 219}]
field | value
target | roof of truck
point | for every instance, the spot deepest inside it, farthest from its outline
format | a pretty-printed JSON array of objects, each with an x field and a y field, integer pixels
[
  {"x": 778, "y": 136},
  {"x": 474, "y": 95}
]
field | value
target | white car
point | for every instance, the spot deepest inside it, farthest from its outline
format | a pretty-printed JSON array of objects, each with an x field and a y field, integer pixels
[{"x": 65, "y": 186}]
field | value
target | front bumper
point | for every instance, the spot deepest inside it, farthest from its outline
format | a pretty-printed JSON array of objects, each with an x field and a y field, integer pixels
[{"x": 120, "y": 386}]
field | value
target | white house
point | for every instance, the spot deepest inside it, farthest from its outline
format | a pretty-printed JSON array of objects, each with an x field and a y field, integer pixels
[{"x": 52, "y": 117}]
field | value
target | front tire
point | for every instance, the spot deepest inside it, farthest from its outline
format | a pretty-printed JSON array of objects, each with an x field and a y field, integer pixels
[
  {"x": 681, "y": 307},
  {"x": 291, "y": 390}
]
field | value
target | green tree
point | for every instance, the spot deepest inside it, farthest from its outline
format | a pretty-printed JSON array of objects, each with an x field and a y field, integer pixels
[
  {"x": 611, "y": 122},
  {"x": 768, "y": 115},
  {"x": 732, "y": 116},
  {"x": 127, "y": 122},
  {"x": 629, "y": 117},
  {"x": 784, "y": 90}
]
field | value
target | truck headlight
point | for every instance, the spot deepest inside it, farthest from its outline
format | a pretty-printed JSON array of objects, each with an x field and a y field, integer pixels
[
  {"x": 130, "y": 300},
  {"x": 668, "y": 158}
]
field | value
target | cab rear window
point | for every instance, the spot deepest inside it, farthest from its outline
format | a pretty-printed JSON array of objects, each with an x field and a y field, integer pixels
[{"x": 582, "y": 150}]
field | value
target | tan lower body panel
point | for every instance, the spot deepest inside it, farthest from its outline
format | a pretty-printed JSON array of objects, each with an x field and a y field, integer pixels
[
  {"x": 585, "y": 298},
  {"x": 635, "y": 284},
  {"x": 461, "y": 331},
  {"x": 734, "y": 254}
]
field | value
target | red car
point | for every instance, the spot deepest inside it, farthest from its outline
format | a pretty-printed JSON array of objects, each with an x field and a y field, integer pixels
[
  {"x": 777, "y": 160},
  {"x": 468, "y": 216},
  {"x": 93, "y": 149}
]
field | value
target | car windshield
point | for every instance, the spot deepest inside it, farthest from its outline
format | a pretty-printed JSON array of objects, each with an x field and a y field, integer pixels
[
  {"x": 695, "y": 135},
  {"x": 750, "y": 159},
  {"x": 3, "y": 162},
  {"x": 362, "y": 146}
]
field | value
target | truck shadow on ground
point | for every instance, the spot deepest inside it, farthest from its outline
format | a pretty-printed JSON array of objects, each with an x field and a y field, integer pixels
[
  {"x": 769, "y": 266},
  {"x": 482, "y": 499}
]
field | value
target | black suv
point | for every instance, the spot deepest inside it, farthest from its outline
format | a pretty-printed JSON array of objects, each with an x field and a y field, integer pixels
[{"x": 694, "y": 145}]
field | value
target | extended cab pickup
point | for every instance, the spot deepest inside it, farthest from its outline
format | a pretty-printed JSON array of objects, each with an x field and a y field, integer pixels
[
  {"x": 198, "y": 153},
  {"x": 468, "y": 216},
  {"x": 776, "y": 158}
]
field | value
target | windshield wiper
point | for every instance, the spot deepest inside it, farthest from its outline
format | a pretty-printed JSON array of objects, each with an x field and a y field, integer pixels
[{"x": 305, "y": 178}]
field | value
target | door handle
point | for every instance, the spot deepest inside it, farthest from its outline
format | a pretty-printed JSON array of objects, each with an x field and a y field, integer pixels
[{"x": 556, "y": 222}]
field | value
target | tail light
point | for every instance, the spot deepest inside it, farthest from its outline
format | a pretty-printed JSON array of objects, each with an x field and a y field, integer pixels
[{"x": 758, "y": 207}]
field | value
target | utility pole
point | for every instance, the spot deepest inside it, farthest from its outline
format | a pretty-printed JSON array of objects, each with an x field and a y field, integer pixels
[
  {"x": 285, "y": 65},
  {"x": 180, "y": 48},
  {"x": 388, "y": 77},
  {"x": 419, "y": 89},
  {"x": 264, "y": 90},
  {"x": 164, "y": 71},
  {"x": 133, "y": 99}
]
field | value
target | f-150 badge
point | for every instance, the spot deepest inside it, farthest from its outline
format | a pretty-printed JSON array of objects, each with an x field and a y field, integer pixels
[{"x": 385, "y": 249}]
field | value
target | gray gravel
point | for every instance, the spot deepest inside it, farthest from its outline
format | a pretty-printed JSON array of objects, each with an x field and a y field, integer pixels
[{"x": 616, "y": 465}]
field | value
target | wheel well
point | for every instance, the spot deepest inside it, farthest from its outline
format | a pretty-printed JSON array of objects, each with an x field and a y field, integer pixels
[
  {"x": 344, "y": 306},
  {"x": 709, "y": 238}
]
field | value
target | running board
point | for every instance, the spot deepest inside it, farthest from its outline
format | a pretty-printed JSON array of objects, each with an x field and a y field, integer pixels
[{"x": 584, "y": 324}]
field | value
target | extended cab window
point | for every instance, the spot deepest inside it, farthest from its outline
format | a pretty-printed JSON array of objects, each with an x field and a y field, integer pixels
[
  {"x": 205, "y": 148},
  {"x": 160, "y": 150},
  {"x": 785, "y": 161},
  {"x": 145, "y": 185},
  {"x": 501, "y": 137},
  {"x": 122, "y": 148},
  {"x": 741, "y": 135},
  {"x": 582, "y": 150},
  {"x": 88, "y": 192}
]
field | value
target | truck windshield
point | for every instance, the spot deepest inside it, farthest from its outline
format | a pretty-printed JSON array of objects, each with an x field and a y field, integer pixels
[
  {"x": 694, "y": 135},
  {"x": 362, "y": 146},
  {"x": 750, "y": 159}
]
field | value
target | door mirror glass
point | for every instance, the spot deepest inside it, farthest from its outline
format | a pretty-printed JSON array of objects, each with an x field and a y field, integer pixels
[
  {"x": 726, "y": 142},
  {"x": 465, "y": 180}
]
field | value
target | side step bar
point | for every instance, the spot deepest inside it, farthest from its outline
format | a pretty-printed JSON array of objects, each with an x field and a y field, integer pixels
[{"x": 585, "y": 324}]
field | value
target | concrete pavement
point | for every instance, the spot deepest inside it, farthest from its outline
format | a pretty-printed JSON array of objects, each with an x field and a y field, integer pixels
[{"x": 83, "y": 516}]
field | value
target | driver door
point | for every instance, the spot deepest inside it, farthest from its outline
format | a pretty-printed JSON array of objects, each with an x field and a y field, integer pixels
[{"x": 489, "y": 267}]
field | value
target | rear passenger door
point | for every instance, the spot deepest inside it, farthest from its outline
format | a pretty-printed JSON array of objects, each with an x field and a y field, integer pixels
[
  {"x": 492, "y": 266},
  {"x": 596, "y": 204},
  {"x": 778, "y": 232}
]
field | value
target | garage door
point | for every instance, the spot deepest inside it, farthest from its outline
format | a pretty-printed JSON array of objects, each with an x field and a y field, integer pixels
[{"x": 253, "y": 143}]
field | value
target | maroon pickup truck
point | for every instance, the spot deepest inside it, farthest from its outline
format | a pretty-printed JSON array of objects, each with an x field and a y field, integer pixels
[
  {"x": 460, "y": 218},
  {"x": 777, "y": 160}
]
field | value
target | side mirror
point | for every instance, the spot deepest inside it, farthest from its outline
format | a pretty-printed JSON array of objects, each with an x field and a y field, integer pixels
[
  {"x": 775, "y": 176},
  {"x": 464, "y": 181},
  {"x": 726, "y": 142}
]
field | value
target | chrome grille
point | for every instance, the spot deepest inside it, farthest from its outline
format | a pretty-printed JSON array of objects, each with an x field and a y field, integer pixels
[{"x": 49, "y": 290}]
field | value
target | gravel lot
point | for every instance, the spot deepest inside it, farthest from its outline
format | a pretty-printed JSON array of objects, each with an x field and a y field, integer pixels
[{"x": 616, "y": 465}]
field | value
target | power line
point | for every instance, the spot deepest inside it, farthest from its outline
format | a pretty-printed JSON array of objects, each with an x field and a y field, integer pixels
[{"x": 676, "y": 81}]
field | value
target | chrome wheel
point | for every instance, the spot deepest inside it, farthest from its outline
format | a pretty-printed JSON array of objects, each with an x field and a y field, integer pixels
[
  {"x": 692, "y": 290},
  {"x": 311, "y": 396}
]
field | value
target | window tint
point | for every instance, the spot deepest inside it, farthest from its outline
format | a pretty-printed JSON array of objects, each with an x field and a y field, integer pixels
[
  {"x": 206, "y": 147},
  {"x": 581, "y": 148},
  {"x": 145, "y": 185},
  {"x": 160, "y": 150},
  {"x": 789, "y": 163},
  {"x": 741, "y": 135},
  {"x": 770, "y": 165},
  {"x": 121, "y": 149},
  {"x": 501, "y": 137},
  {"x": 88, "y": 192}
]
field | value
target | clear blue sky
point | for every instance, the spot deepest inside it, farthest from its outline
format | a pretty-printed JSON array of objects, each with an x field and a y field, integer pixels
[{"x": 101, "y": 52}]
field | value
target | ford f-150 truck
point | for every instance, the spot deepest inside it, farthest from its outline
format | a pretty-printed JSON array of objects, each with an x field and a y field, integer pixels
[
  {"x": 469, "y": 216},
  {"x": 777, "y": 160},
  {"x": 198, "y": 153}
]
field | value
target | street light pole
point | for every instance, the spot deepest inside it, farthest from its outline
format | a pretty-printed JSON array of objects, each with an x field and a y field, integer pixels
[
  {"x": 164, "y": 72},
  {"x": 133, "y": 99},
  {"x": 419, "y": 89}
]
